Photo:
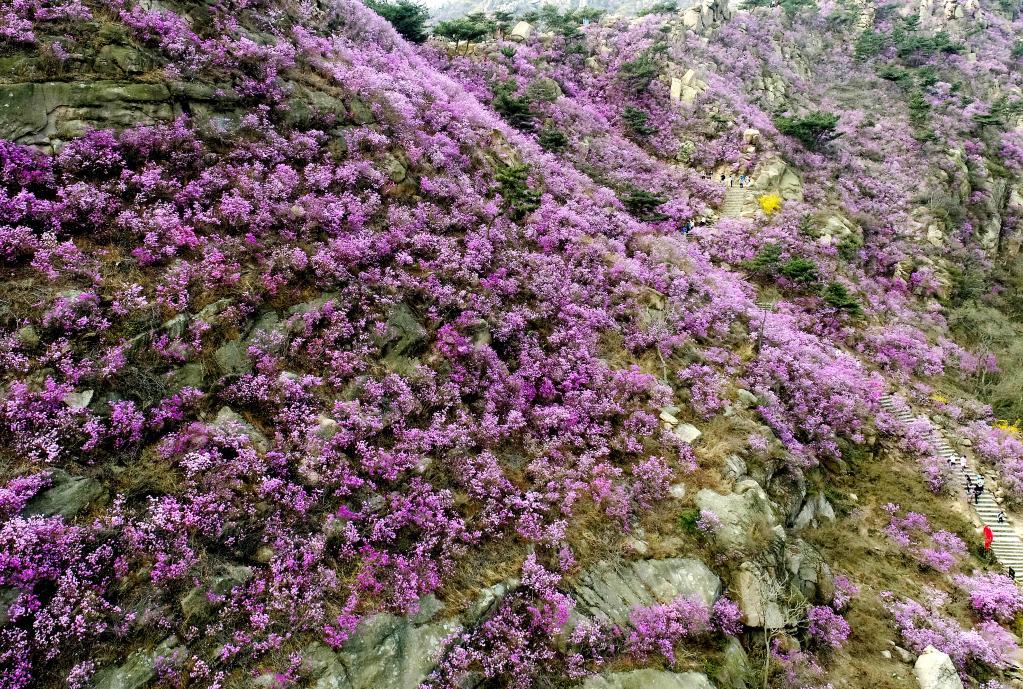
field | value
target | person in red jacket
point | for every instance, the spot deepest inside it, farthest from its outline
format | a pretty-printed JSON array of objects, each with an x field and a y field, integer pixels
[{"x": 988, "y": 537}]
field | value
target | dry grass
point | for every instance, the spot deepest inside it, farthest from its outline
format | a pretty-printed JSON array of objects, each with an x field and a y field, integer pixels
[{"x": 855, "y": 545}]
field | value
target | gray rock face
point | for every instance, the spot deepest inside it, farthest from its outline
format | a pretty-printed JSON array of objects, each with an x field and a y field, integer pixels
[
  {"x": 229, "y": 419},
  {"x": 810, "y": 573},
  {"x": 38, "y": 113},
  {"x": 734, "y": 668},
  {"x": 758, "y": 595},
  {"x": 648, "y": 679},
  {"x": 816, "y": 510},
  {"x": 403, "y": 338},
  {"x": 741, "y": 513},
  {"x": 67, "y": 496},
  {"x": 386, "y": 652},
  {"x": 934, "y": 670},
  {"x": 138, "y": 670},
  {"x": 196, "y": 602},
  {"x": 787, "y": 490},
  {"x": 611, "y": 590},
  {"x": 735, "y": 467}
]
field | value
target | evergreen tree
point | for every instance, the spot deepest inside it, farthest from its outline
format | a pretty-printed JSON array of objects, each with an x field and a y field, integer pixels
[{"x": 408, "y": 18}]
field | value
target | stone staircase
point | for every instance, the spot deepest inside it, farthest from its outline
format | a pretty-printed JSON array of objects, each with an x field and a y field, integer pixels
[
  {"x": 1006, "y": 546},
  {"x": 735, "y": 199}
]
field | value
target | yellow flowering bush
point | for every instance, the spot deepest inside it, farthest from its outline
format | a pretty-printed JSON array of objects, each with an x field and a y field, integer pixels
[{"x": 769, "y": 203}]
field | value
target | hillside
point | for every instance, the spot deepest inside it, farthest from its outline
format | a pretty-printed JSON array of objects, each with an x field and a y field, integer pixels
[{"x": 596, "y": 351}]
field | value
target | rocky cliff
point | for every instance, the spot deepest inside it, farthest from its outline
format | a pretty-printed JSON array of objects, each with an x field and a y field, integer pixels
[{"x": 553, "y": 359}]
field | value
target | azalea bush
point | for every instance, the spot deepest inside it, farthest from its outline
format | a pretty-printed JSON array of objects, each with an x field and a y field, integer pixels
[{"x": 912, "y": 532}]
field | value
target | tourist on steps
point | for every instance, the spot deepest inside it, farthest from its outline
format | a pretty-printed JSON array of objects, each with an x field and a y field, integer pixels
[
  {"x": 989, "y": 536},
  {"x": 1001, "y": 516},
  {"x": 1012, "y": 573}
]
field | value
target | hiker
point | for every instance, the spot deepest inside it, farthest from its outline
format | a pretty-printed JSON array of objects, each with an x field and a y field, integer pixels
[
  {"x": 978, "y": 490},
  {"x": 722, "y": 178},
  {"x": 989, "y": 536},
  {"x": 1001, "y": 516},
  {"x": 1012, "y": 574},
  {"x": 969, "y": 483}
]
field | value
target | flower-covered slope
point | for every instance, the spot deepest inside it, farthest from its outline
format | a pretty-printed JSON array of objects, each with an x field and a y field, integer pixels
[{"x": 300, "y": 334}]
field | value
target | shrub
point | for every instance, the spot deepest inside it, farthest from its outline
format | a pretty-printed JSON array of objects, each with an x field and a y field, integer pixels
[
  {"x": 408, "y": 18},
  {"x": 766, "y": 260},
  {"x": 553, "y": 139},
  {"x": 826, "y": 627},
  {"x": 992, "y": 596},
  {"x": 770, "y": 203},
  {"x": 662, "y": 7},
  {"x": 801, "y": 270},
  {"x": 636, "y": 120},
  {"x": 869, "y": 44},
  {"x": 644, "y": 204},
  {"x": 919, "y": 110},
  {"x": 813, "y": 130},
  {"x": 637, "y": 74},
  {"x": 470, "y": 28},
  {"x": 837, "y": 296},
  {"x": 925, "y": 625},
  {"x": 513, "y": 108},
  {"x": 520, "y": 198}
]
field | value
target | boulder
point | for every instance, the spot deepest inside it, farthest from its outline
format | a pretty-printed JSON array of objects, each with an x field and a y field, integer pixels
[
  {"x": 229, "y": 420},
  {"x": 687, "y": 432},
  {"x": 810, "y": 573},
  {"x": 816, "y": 510},
  {"x": 385, "y": 652},
  {"x": 934, "y": 670},
  {"x": 746, "y": 398},
  {"x": 196, "y": 603},
  {"x": 139, "y": 669},
  {"x": 78, "y": 400},
  {"x": 648, "y": 678},
  {"x": 232, "y": 358},
  {"x": 735, "y": 467},
  {"x": 521, "y": 31},
  {"x": 48, "y": 113},
  {"x": 611, "y": 590},
  {"x": 734, "y": 667},
  {"x": 402, "y": 338},
  {"x": 787, "y": 490},
  {"x": 758, "y": 596},
  {"x": 739, "y": 512},
  {"x": 751, "y": 136},
  {"x": 775, "y": 176},
  {"x": 67, "y": 495},
  {"x": 28, "y": 337},
  {"x": 676, "y": 89}
]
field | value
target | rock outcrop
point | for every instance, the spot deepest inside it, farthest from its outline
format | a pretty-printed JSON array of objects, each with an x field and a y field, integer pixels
[
  {"x": 934, "y": 670},
  {"x": 611, "y": 590},
  {"x": 648, "y": 679}
]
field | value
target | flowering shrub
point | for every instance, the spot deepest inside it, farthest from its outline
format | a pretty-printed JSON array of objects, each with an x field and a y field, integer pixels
[
  {"x": 356, "y": 338},
  {"x": 992, "y": 596},
  {"x": 924, "y": 625},
  {"x": 659, "y": 628},
  {"x": 769, "y": 203},
  {"x": 1002, "y": 449},
  {"x": 827, "y": 628},
  {"x": 811, "y": 394},
  {"x": 940, "y": 550}
]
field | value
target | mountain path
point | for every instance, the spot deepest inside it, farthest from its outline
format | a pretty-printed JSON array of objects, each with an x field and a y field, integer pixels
[{"x": 1006, "y": 546}]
